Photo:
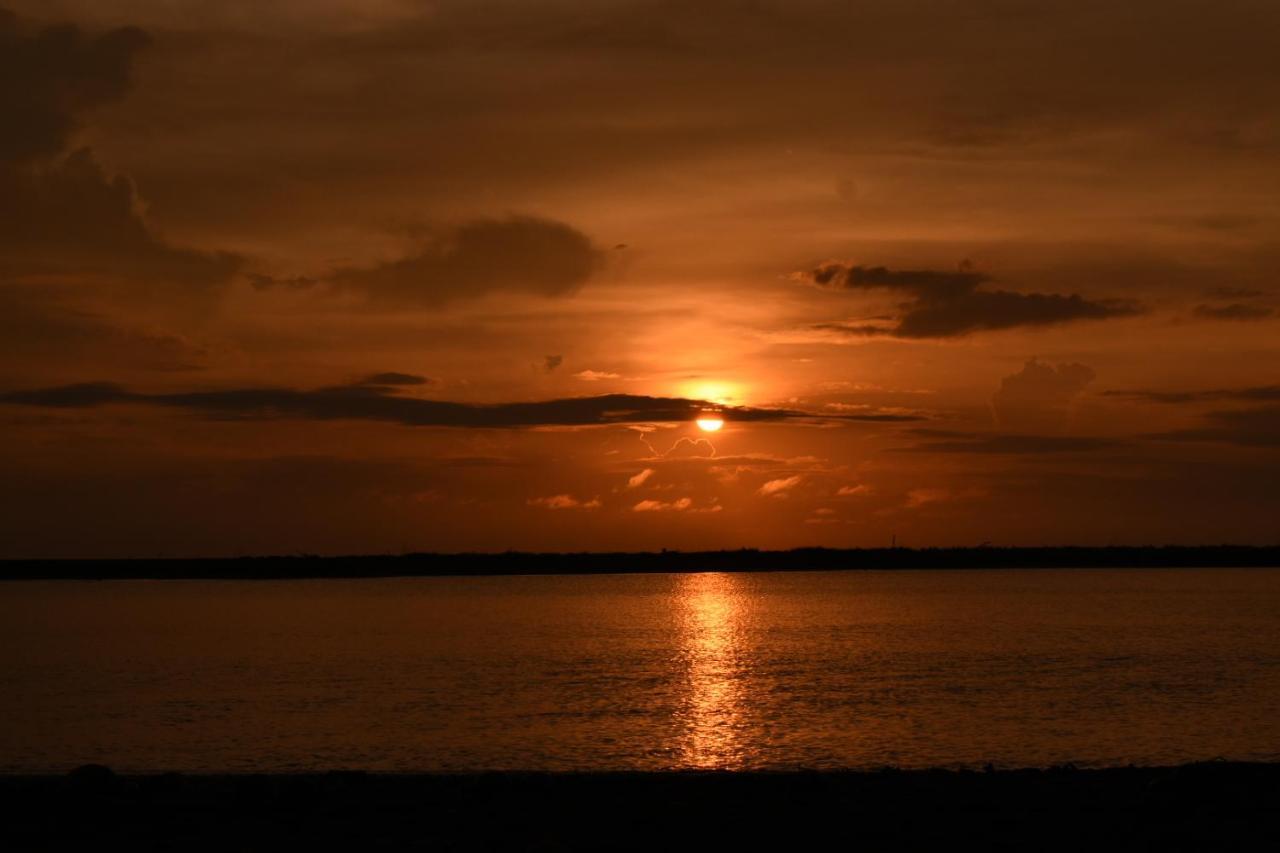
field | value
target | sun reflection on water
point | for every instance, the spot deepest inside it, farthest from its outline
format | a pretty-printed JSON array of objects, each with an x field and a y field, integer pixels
[{"x": 711, "y": 612}]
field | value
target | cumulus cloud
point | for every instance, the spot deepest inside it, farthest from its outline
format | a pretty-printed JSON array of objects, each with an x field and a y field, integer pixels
[
  {"x": 639, "y": 479},
  {"x": 564, "y": 502},
  {"x": 522, "y": 254},
  {"x": 595, "y": 375},
  {"x": 950, "y": 304},
  {"x": 1040, "y": 395},
  {"x": 551, "y": 362},
  {"x": 678, "y": 505},
  {"x": 780, "y": 487},
  {"x": 685, "y": 504}
]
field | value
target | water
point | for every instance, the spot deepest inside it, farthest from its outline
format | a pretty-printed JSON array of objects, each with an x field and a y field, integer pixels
[{"x": 827, "y": 670}]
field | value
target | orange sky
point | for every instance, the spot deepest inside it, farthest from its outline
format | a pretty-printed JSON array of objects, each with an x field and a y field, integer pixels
[{"x": 348, "y": 276}]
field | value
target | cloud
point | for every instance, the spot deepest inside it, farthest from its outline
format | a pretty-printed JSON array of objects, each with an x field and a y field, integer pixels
[
  {"x": 1255, "y": 394},
  {"x": 1235, "y": 293},
  {"x": 60, "y": 213},
  {"x": 1040, "y": 396},
  {"x": 52, "y": 77},
  {"x": 1256, "y": 427},
  {"x": 518, "y": 254},
  {"x": 917, "y": 498},
  {"x": 1234, "y": 311},
  {"x": 392, "y": 378},
  {"x": 595, "y": 375},
  {"x": 923, "y": 282},
  {"x": 551, "y": 362},
  {"x": 685, "y": 448},
  {"x": 851, "y": 491},
  {"x": 35, "y": 328},
  {"x": 382, "y": 403},
  {"x": 871, "y": 414},
  {"x": 70, "y": 218},
  {"x": 564, "y": 502},
  {"x": 261, "y": 281},
  {"x": 639, "y": 479},
  {"x": 949, "y": 304},
  {"x": 679, "y": 505},
  {"x": 942, "y": 441},
  {"x": 779, "y": 488}
]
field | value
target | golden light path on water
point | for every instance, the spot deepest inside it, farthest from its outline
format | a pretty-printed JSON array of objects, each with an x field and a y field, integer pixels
[{"x": 712, "y": 618}]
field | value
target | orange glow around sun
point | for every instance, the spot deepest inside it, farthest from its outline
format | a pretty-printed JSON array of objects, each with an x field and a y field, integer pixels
[{"x": 719, "y": 393}]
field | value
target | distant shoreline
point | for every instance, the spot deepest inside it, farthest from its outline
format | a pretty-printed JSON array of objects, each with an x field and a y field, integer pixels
[{"x": 745, "y": 560}]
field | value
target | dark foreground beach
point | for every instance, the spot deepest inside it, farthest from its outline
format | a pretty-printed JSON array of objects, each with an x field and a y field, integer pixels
[{"x": 1212, "y": 806}]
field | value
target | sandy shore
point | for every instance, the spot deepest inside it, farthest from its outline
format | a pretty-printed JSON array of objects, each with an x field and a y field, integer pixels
[{"x": 1214, "y": 806}]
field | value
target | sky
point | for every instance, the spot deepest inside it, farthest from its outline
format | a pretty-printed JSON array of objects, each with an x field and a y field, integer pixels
[{"x": 369, "y": 276}]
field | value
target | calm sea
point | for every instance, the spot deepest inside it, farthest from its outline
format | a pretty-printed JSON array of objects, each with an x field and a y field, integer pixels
[{"x": 825, "y": 670}]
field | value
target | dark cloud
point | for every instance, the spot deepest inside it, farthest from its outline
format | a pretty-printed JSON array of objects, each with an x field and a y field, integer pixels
[
  {"x": 1256, "y": 427},
  {"x": 1256, "y": 394},
  {"x": 49, "y": 78},
  {"x": 64, "y": 214},
  {"x": 1040, "y": 396},
  {"x": 873, "y": 417},
  {"x": 393, "y": 378},
  {"x": 950, "y": 304},
  {"x": 380, "y": 403},
  {"x": 519, "y": 253},
  {"x": 551, "y": 362},
  {"x": 261, "y": 281},
  {"x": 1234, "y": 311},
  {"x": 1235, "y": 293},
  {"x": 36, "y": 329},
  {"x": 70, "y": 218},
  {"x": 944, "y": 441},
  {"x": 926, "y": 283}
]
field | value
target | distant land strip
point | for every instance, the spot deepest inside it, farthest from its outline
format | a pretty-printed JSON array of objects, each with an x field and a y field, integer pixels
[{"x": 743, "y": 560}]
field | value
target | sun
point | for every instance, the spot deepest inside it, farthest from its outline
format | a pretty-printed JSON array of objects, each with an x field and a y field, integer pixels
[{"x": 709, "y": 422}]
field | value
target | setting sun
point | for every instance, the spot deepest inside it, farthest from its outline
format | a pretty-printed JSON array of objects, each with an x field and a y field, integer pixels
[{"x": 710, "y": 422}]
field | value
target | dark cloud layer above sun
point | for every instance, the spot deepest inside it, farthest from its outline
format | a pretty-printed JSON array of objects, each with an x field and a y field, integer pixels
[
  {"x": 379, "y": 402},
  {"x": 951, "y": 304}
]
